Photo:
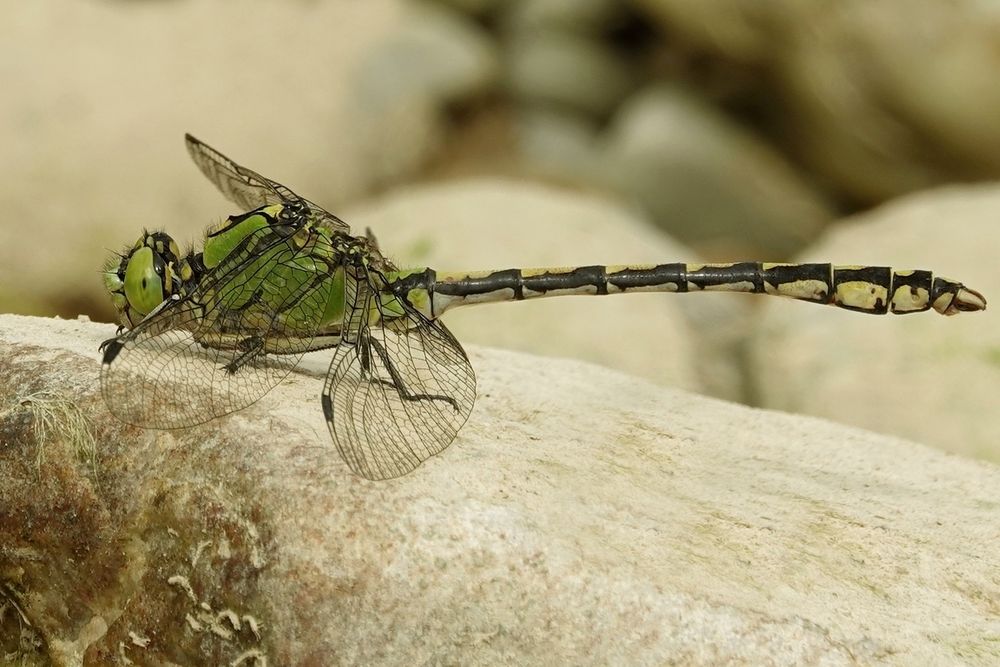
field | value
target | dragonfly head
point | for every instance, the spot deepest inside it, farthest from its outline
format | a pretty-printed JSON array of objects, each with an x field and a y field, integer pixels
[{"x": 144, "y": 275}]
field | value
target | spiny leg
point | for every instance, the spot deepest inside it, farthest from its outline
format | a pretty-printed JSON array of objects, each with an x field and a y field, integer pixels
[
  {"x": 252, "y": 346},
  {"x": 397, "y": 381}
]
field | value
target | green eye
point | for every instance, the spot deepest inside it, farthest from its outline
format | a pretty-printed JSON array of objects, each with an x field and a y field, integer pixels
[{"x": 143, "y": 286}]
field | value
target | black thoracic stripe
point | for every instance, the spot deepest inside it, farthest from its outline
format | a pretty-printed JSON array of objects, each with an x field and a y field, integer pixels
[
  {"x": 235, "y": 220},
  {"x": 661, "y": 274},
  {"x": 583, "y": 276},
  {"x": 915, "y": 280},
  {"x": 782, "y": 275},
  {"x": 711, "y": 276}
]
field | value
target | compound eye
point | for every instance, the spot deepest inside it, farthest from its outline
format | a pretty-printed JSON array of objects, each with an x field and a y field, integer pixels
[{"x": 143, "y": 283}]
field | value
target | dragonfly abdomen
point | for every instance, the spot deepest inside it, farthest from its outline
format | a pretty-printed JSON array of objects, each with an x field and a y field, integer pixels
[{"x": 868, "y": 289}]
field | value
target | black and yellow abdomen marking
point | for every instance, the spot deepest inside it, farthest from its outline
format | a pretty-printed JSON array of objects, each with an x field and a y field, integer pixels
[{"x": 867, "y": 289}]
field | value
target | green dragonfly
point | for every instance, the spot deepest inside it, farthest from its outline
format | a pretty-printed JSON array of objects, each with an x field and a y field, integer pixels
[{"x": 210, "y": 332}]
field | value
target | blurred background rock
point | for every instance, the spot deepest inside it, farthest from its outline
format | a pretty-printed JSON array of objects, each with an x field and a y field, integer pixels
[{"x": 489, "y": 133}]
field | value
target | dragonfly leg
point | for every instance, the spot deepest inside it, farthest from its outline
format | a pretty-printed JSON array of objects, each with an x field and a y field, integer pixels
[
  {"x": 397, "y": 382},
  {"x": 251, "y": 347}
]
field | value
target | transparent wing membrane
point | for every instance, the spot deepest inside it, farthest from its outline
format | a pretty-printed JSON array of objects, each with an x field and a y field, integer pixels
[
  {"x": 226, "y": 344},
  {"x": 397, "y": 393},
  {"x": 248, "y": 189}
]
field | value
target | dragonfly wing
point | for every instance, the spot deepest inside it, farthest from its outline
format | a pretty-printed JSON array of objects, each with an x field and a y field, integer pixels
[
  {"x": 222, "y": 347},
  {"x": 396, "y": 396},
  {"x": 248, "y": 189}
]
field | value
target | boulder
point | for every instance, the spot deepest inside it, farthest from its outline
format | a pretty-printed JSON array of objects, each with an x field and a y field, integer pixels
[{"x": 582, "y": 516}]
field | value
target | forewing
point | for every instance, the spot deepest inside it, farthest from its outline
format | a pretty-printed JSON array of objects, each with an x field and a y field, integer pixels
[
  {"x": 248, "y": 189},
  {"x": 396, "y": 395},
  {"x": 209, "y": 354}
]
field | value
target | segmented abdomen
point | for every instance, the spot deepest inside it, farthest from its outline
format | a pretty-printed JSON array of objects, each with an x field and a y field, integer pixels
[{"x": 867, "y": 289}]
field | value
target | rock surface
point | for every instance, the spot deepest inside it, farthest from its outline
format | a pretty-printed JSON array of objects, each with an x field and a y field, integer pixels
[
  {"x": 582, "y": 516},
  {"x": 331, "y": 98},
  {"x": 924, "y": 377}
]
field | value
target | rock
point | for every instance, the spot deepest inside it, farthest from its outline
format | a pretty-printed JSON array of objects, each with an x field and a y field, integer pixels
[
  {"x": 916, "y": 110},
  {"x": 474, "y": 7},
  {"x": 558, "y": 144},
  {"x": 433, "y": 55},
  {"x": 480, "y": 225},
  {"x": 590, "y": 17},
  {"x": 875, "y": 109},
  {"x": 329, "y": 98},
  {"x": 562, "y": 69},
  {"x": 706, "y": 180},
  {"x": 741, "y": 31},
  {"x": 582, "y": 516},
  {"x": 924, "y": 377}
]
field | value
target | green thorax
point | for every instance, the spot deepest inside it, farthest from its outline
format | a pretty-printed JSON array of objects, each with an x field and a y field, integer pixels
[{"x": 274, "y": 271}]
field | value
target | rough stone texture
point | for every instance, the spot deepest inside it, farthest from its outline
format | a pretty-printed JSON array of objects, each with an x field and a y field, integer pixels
[
  {"x": 706, "y": 180},
  {"x": 332, "y": 98},
  {"x": 685, "y": 341},
  {"x": 581, "y": 517},
  {"x": 878, "y": 97},
  {"x": 932, "y": 379}
]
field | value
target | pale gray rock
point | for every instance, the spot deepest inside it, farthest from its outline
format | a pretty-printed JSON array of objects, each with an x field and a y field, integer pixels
[
  {"x": 559, "y": 144},
  {"x": 581, "y": 517},
  {"x": 681, "y": 340},
  {"x": 921, "y": 376},
  {"x": 706, "y": 180},
  {"x": 880, "y": 98},
  {"x": 433, "y": 54},
  {"x": 331, "y": 98},
  {"x": 557, "y": 68}
]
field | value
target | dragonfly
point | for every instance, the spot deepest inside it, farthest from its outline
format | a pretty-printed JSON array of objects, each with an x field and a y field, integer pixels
[{"x": 209, "y": 332}]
